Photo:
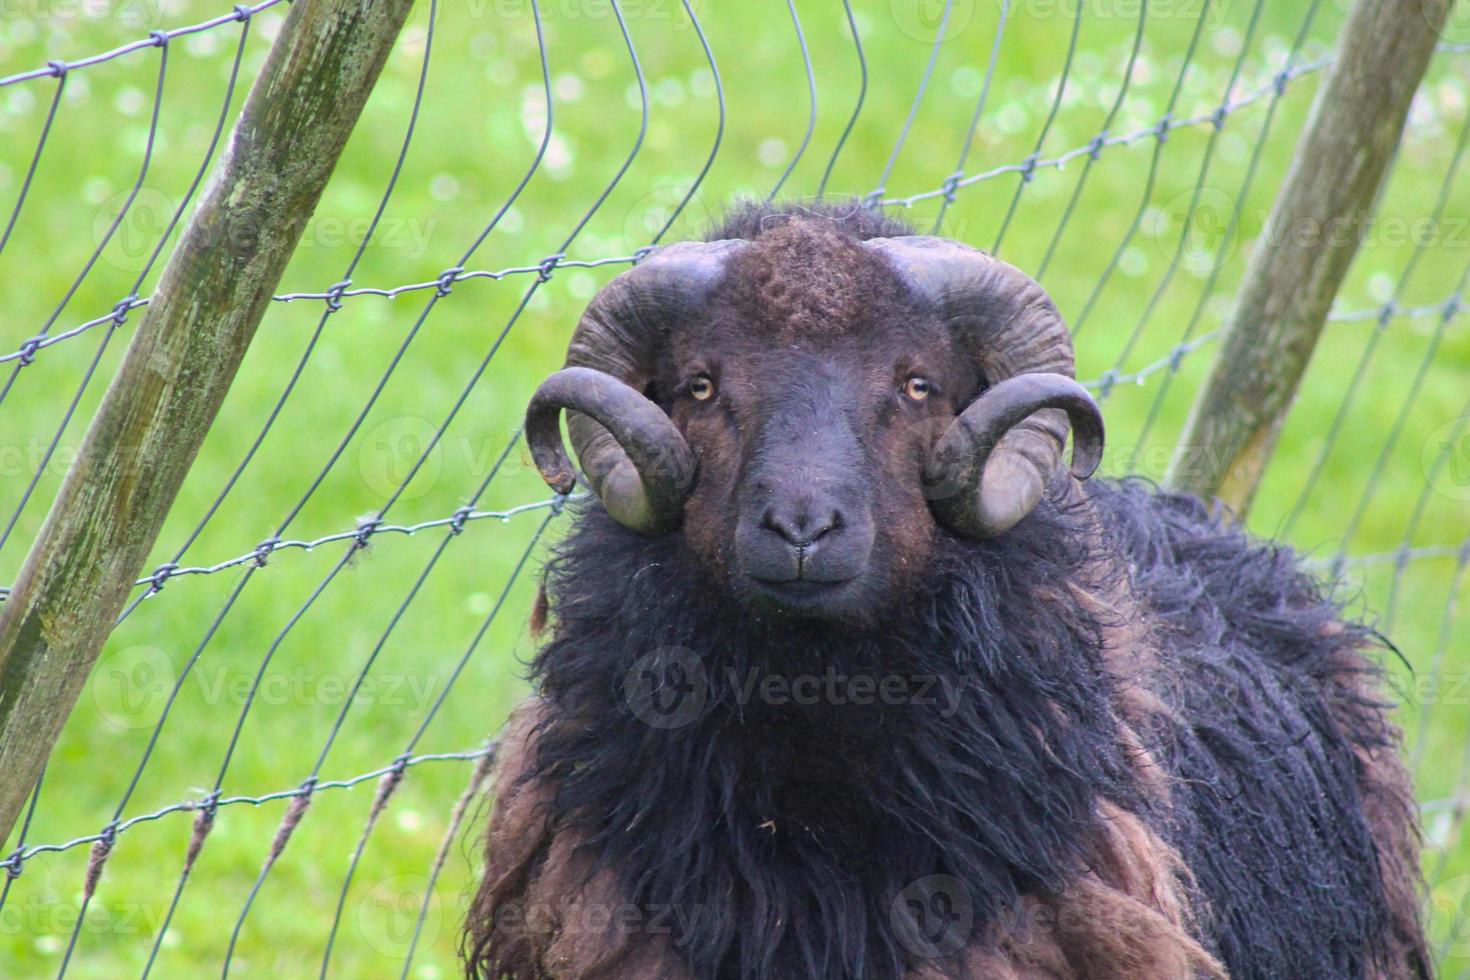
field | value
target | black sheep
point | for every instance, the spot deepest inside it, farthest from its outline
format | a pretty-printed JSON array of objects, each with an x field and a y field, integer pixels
[{"x": 849, "y": 678}]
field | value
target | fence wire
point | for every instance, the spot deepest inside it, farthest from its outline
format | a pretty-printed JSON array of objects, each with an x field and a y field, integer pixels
[{"x": 1326, "y": 494}]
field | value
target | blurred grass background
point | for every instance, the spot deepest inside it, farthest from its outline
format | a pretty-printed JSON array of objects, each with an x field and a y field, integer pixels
[{"x": 1397, "y": 476}]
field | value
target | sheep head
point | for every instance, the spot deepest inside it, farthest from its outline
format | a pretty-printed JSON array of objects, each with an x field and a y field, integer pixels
[{"x": 808, "y": 409}]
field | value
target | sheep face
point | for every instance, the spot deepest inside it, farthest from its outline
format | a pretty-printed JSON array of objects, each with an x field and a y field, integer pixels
[
  {"x": 809, "y": 407},
  {"x": 810, "y": 392}
]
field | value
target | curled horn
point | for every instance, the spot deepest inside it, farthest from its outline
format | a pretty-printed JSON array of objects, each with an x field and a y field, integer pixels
[
  {"x": 992, "y": 465},
  {"x": 634, "y": 458}
]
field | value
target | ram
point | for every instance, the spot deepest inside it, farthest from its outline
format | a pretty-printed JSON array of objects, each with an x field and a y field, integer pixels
[{"x": 849, "y": 676}]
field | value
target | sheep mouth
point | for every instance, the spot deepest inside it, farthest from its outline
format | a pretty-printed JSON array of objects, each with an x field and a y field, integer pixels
[{"x": 805, "y": 595}]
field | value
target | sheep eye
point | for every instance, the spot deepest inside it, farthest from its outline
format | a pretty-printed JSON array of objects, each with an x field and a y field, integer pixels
[
  {"x": 917, "y": 389},
  {"x": 702, "y": 387}
]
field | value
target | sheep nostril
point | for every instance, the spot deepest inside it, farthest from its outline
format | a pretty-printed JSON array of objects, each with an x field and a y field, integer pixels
[{"x": 801, "y": 530}]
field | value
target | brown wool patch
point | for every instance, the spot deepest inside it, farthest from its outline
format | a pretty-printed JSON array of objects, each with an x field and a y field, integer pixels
[{"x": 806, "y": 278}]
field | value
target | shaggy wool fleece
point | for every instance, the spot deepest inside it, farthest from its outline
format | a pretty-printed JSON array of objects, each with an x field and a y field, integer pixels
[{"x": 1146, "y": 747}]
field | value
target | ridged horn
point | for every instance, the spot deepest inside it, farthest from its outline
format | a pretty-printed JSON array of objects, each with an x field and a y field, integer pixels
[
  {"x": 634, "y": 458},
  {"x": 990, "y": 468}
]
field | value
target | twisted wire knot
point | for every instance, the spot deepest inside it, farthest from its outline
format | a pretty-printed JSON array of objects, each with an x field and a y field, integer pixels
[
  {"x": 365, "y": 530},
  {"x": 548, "y": 265},
  {"x": 161, "y": 575},
  {"x": 122, "y": 308},
  {"x": 458, "y": 519},
  {"x": 1028, "y": 168},
  {"x": 446, "y": 280},
  {"x": 951, "y": 185},
  {"x": 28, "y": 350},
  {"x": 1165, "y": 126},
  {"x": 334, "y": 294},
  {"x": 264, "y": 550}
]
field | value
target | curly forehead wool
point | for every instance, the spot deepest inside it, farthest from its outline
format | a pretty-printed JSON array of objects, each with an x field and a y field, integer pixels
[
  {"x": 806, "y": 278},
  {"x": 805, "y": 274}
]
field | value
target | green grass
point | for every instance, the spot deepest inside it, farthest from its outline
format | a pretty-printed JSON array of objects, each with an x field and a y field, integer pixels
[{"x": 477, "y": 134}]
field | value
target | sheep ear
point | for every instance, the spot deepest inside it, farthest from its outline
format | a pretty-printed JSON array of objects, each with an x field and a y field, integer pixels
[
  {"x": 619, "y": 338},
  {"x": 1008, "y": 324}
]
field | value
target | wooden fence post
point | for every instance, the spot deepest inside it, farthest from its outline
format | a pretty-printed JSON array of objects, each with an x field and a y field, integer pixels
[
  {"x": 1315, "y": 228},
  {"x": 213, "y": 293}
]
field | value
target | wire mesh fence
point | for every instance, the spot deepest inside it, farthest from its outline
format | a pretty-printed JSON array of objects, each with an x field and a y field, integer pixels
[{"x": 338, "y": 598}]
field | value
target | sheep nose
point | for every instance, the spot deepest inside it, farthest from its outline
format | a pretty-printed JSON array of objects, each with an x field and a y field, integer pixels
[{"x": 801, "y": 528}]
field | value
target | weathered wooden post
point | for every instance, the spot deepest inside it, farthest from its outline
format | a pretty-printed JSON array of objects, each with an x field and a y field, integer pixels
[
  {"x": 1308, "y": 243},
  {"x": 143, "y": 439}
]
